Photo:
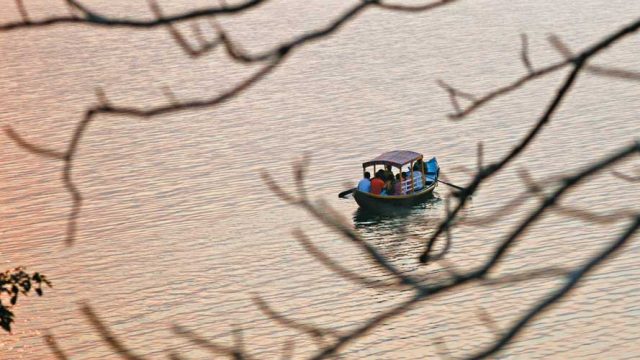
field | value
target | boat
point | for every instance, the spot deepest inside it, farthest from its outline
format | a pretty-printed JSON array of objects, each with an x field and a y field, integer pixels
[{"x": 415, "y": 190}]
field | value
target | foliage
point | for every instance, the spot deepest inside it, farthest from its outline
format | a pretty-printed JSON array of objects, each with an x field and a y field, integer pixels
[{"x": 13, "y": 283}]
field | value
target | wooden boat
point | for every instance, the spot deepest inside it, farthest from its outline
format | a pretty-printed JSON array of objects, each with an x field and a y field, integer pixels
[{"x": 415, "y": 189}]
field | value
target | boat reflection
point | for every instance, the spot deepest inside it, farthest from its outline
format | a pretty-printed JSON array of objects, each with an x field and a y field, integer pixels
[{"x": 399, "y": 232}]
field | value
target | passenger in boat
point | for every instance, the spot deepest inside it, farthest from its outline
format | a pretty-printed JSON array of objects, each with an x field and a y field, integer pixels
[
  {"x": 421, "y": 165},
  {"x": 389, "y": 186},
  {"x": 377, "y": 184},
  {"x": 386, "y": 190},
  {"x": 417, "y": 176},
  {"x": 397, "y": 187},
  {"x": 388, "y": 174},
  {"x": 389, "y": 181},
  {"x": 365, "y": 184}
]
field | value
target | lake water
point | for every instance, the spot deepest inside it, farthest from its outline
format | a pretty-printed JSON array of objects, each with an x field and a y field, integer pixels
[{"x": 178, "y": 227}]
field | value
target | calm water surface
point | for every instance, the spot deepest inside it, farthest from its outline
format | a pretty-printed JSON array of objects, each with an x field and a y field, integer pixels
[{"x": 178, "y": 227}]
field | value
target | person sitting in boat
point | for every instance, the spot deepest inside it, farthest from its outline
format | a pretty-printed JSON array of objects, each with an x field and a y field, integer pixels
[
  {"x": 406, "y": 182},
  {"x": 397, "y": 187},
  {"x": 365, "y": 184},
  {"x": 417, "y": 177},
  {"x": 389, "y": 181},
  {"x": 388, "y": 174},
  {"x": 377, "y": 184},
  {"x": 389, "y": 186}
]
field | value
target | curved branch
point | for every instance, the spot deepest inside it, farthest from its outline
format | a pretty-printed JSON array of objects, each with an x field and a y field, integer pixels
[{"x": 35, "y": 149}]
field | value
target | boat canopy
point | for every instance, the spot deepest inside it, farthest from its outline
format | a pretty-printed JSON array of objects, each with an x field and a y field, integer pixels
[{"x": 396, "y": 158}]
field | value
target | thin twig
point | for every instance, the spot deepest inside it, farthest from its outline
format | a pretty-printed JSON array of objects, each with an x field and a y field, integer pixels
[
  {"x": 488, "y": 320},
  {"x": 625, "y": 177},
  {"x": 524, "y": 53},
  {"x": 204, "y": 45},
  {"x": 23, "y": 11},
  {"x": 610, "y": 72}
]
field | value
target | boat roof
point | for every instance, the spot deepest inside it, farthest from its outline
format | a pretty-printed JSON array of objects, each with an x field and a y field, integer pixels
[{"x": 394, "y": 158}]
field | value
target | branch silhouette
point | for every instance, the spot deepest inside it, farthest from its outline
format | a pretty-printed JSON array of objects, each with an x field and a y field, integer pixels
[
  {"x": 425, "y": 291},
  {"x": 577, "y": 62},
  {"x": 416, "y": 290},
  {"x": 88, "y": 17},
  {"x": 272, "y": 59}
]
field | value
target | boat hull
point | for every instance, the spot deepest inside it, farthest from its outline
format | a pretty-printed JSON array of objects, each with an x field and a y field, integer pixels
[{"x": 382, "y": 203}]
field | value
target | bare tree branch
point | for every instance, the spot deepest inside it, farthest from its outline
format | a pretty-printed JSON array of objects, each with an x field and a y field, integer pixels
[
  {"x": 107, "y": 336},
  {"x": 477, "y": 102},
  {"x": 367, "y": 327},
  {"x": 593, "y": 217},
  {"x": 570, "y": 58},
  {"x": 273, "y": 57},
  {"x": 321, "y": 214},
  {"x": 410, "y": 8},
  {"x": 212, "y": 347},
  {"x": 623, "y": 74},
  {"x": 288, "y": 349},
  {"x": 90, "y": 115},
  {"x": 480, "y": 156},
  {"x": 572, "y": 281},
  {"x": 524, "y": 53},
  {"x": 488, "y": 321},
  {"x": 535, "y": 189},
  {"x": 337, "y": 268},
  {"x": 32, "y": 148},
  {"x": 314, "y": 331},
  {"x": 578, "y": 62},
  {"x": 175, "y": 356},
  {"x": 94, "y": 19},
  {"x": 626, "y": 177},
  {"x": 204, "y": 45},
  {"x": 426, "y": 291},
  {"x": 238, "y": 340},
  {"x": 526, "y": 275},
  {"x": 421, "y": 289},
  {"x": 552, "y": 199},
  {"x": 454, "y": 94},
  {"x": 57, "y": 351},
  {"x": 23, "y": 11}
]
